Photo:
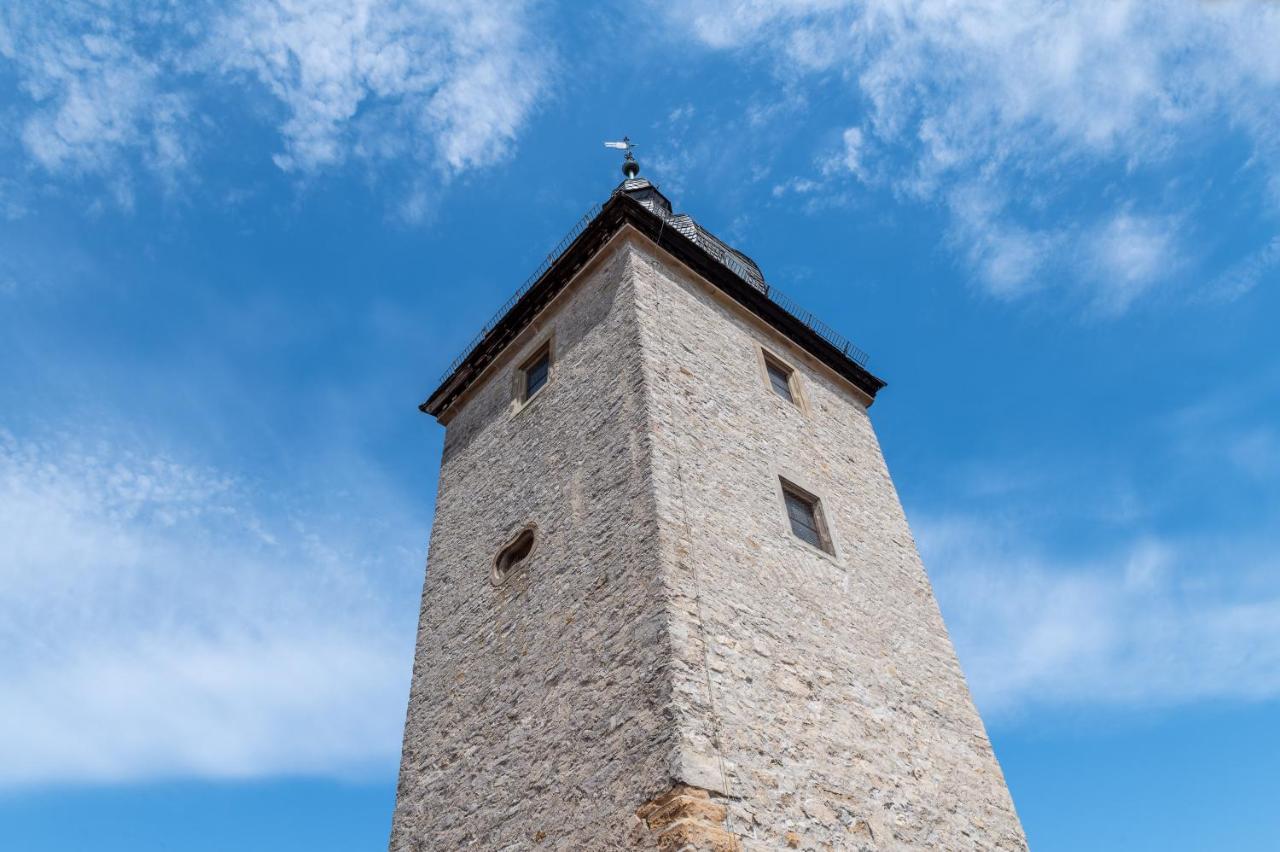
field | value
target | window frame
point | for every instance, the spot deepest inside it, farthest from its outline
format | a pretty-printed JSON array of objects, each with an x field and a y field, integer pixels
[
  {"x": 539, "y": 363},
  {"x": 769, "y": 359},
  {"x": 817, "y": 509},
  {"x": 546, "y": 350}
]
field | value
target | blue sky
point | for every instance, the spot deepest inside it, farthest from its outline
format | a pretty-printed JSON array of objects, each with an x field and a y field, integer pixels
[{"x": 238, "y": 244}]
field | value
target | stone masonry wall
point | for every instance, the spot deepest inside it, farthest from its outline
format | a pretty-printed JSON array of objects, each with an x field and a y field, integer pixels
[
  {"x": 537, "y": 716},
  {"x": 673, "y": 669},
  {"x": 820, "y": 694}
]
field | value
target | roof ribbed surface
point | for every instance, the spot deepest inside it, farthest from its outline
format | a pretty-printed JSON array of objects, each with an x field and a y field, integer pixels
[
  {"x": 737, "y": 262},
  {"x": 653, "y": 199}
]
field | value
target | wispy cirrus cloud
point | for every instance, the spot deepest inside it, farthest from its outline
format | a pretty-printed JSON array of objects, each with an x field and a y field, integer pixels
[
  {"x": 1115, "y": 259},
  {"x": 1131, "y": 253},
  {"x": 100, "y": 90},
  {"x": 445, "y": 82},
  {"x": 1004, "y": 112},
  {"x": 1153, "y": 622},
  {"x": 112, "y": 90},
  {"x": 1246, "y": 273},
  {"x": 161, "y": 618},
  {"x": 1084, "y": 580}
]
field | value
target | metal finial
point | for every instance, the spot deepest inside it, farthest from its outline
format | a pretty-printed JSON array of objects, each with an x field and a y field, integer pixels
[{"x": 630, "y": 168}]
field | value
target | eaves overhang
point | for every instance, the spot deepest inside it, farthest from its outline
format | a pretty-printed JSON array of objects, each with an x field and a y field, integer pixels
[{"x": 621, "y": 210}]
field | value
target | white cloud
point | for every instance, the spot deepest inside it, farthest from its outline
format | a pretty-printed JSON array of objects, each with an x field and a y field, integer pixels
[
  {"x": 1154, "y": 623},
  {"x": 681, "y": 115},
  {"x": 161, "y": 619},
  {"x": 1023, "y": 98},
  {"x": 1255, "y": 451},
  {"x": 1117, "y": 261},
  {"x": 11, "y": 204},
  {"x": 96, "y": 96},
  {"x": 1245, "y": 274},
  {"x": 1228, "y": 435},
  {"x": 462, "y": 76},
  {"x": 1010, "y": 258},
  {"x": 799, "y": 186},
  {"x": 994, "y": 80},
  {"x": 111, "y": 88},
  {"x": 1131, "y": 254},
  {"x": 851, "y": 158}
]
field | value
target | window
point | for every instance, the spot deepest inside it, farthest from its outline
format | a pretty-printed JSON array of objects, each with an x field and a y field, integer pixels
[
  {"x": 535, "y": 373},
  {"x": 804, "y": 512},
  {"x": 511, "y": 557},
  {"x": 781, "y": 378}
]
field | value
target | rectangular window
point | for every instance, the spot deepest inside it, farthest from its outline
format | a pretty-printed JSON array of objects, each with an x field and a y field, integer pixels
[
  {"x": 536, "y": 373},
  {"x": 804, "y": 511},
  {"x": 780, "y": 378}
]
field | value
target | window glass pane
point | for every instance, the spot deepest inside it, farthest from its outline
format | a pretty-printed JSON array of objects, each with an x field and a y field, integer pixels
[
  {"x": 535, "y": 376},
  {"x": 806, "y": 533},
  {"x": 799, "y": 510},
  {"x": 781, "y": 381},
  {"x": 803, "y": 521}
]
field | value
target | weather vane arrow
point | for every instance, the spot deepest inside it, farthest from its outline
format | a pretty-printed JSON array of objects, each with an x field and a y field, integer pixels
[{"x": 630, "y": 167}]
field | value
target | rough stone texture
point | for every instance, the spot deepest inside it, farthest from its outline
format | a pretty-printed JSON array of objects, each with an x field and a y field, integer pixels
[
  {"x": 820, "y": 694},
  {"x": 668, "y": 628},
  {"x": 537, "y": 709},
  {"x": 685, "y": 819}
]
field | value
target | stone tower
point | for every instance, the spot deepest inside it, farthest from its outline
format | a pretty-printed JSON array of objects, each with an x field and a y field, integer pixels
[{"x": 672, "y": 599}]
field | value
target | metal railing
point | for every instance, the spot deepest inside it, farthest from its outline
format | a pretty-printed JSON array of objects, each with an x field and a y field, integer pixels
[
  {"x": 818, "y": 327},
  {"x": 552, "y": 257},
  {"x": 782, "y": 300}
]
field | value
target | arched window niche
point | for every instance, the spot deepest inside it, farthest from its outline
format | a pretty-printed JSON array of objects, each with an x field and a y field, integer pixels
[{"x": 514, "y": 555}]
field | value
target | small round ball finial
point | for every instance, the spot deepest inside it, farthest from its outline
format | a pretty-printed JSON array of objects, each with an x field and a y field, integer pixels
[{"x": 630, "y": 167}]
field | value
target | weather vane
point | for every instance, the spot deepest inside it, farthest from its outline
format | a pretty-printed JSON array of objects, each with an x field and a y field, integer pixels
[{"x": 630, "y": 167}]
